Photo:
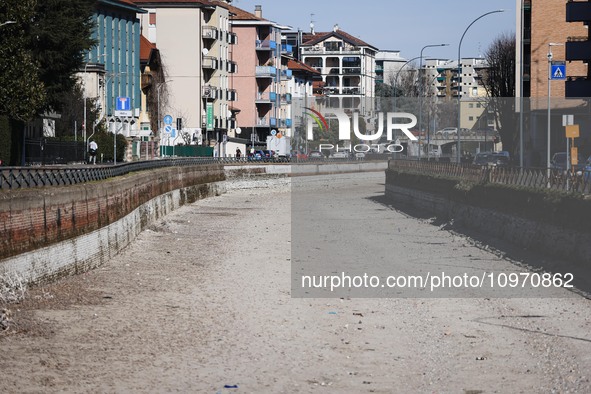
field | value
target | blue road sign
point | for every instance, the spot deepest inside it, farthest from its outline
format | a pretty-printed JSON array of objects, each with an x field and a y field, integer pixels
[
  {"x": 168, "y": 119},
  {"x": 558, "y": 70},
  {"x": 123, "y": 104}
]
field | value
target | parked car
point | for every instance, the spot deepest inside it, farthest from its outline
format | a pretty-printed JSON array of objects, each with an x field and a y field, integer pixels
[
  {"x": 315, "y": 155},
  {"x": 299, "y": 155},
  {"x": 339, "y": 155},
  {"x": 558, "y": 162},
  {"x": 587, "y": 170},
  {"x": 447, "y": 132},
  {"x": 491, "y": 159},
  {"x": 269, "y": 155}
]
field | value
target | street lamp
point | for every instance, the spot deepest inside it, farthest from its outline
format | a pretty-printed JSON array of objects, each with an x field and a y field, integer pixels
[
  {"x": 550, "y": 45},
  {"x": 458, "y": 148},
  {"x": 110, "y": 76},
  {"x": 421, "y": 91},
  {"x": 85, "y": 99},
  {"x": 396, "y": 78}
]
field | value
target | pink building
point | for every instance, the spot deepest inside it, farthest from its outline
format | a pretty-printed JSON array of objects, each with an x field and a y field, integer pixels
[{"x": 258, "y": 79}]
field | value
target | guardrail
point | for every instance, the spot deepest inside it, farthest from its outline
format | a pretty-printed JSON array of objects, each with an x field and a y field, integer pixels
[
  {"x": 65, "y": 175},
  {"x": 535, "y": 178}
]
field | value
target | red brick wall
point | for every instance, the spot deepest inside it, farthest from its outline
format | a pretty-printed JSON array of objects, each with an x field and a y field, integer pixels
[
  {"x": 548, "y": 20},
  {"x": 34, "y": 218}
]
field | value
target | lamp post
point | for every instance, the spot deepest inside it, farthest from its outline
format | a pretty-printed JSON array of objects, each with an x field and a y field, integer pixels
[
  {"x": 550, "y": 45},
  {"x": 428, "y": 124},
  {"x": 85, "y": 99},
  {"x": 458, "y": 148},
  {"x": 111, "y": 75},
  {"x": 396, "y": 78},
  {"x": 421, "y": 91}
]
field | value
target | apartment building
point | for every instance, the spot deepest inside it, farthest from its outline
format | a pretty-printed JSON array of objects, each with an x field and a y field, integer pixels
[
  {"x": 559, "y": 28},
  {"x": 540, "y": 23},
  {"x": 388, "y": 65},
  {"x": 347, "y": 67},
  {"x": 443, "y": 82},
  {"x": 112, "y": 67},
  {"x": 194, "y": 40},
  {"x": 258, "y": 81}
]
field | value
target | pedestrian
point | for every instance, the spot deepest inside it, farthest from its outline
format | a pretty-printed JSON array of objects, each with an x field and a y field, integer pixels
[
  {"x": 238, "y": 153},
  {"x": 92, "y": 150}
]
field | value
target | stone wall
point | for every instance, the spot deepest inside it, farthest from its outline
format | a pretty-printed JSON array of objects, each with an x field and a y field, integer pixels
[
  {"x": 548, "y": 224},
  {"x": 47, "y": 232}
]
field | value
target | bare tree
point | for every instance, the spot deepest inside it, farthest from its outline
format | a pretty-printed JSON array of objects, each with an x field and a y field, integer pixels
[{"x": 499, "y": 83}]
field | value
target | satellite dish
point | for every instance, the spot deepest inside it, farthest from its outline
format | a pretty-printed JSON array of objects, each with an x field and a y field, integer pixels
[
  {"x": 238, "y": 130},
  {"x": 205, "y": 51}
]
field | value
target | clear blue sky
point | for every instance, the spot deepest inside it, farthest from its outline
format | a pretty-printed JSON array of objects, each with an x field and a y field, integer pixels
[{"x": 400, "y": 25}]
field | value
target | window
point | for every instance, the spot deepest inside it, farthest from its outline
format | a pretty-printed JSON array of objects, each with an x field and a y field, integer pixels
[
  {"x": 474, "y": 91},
  {"x": 471, "y": 105},
  {"x": 470, "y": 118},
  {"x": 152, "y": 17},
  {"x": 333, "y": 45}
]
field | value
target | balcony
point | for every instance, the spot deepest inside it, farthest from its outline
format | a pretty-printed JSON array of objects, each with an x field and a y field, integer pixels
[
  {"x": 266, "y": 98},
  {"x": 231, "y": 95},
  {"x": 286, "y": 74},
  {"x": 265, "y": 72},
  {"x": 316, "y": 50},
  {"x": 146, "y": 81},
  {"x": 285, "y": 123},
  {"x": 210, "y": 92},
  {"x": 209, "y": 62},
  {"x": 578, "y": 49},
  {"x": 263, "y": 122},
  {"x": 210, "y": 33},
  {"x": 352, "y": 70},
  {"x": 286, "y": 49},
  {"x": 286, "y": 98},
  {"x": 578, "y": 11},
  {"x": 578, "y": 87},
  {"x": 232, "y": 67},
  {"x": 232, "y": 38},
  {"x": 351, "y": 90},
  {"x": 265, "y": 45}
]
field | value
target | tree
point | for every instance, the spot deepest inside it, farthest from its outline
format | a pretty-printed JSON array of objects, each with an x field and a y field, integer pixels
[
  {"x": 61, "y": 32},
  {"x": 73, "y": 113},
  {"x": 499, "y": 83},
  {"x": 22, "y": 92}
]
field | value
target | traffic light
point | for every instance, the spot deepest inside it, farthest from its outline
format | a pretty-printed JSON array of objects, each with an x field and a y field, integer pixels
[{"x": 179, "y": 123}]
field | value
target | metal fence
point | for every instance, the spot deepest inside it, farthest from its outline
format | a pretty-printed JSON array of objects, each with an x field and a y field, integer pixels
[{"x": 537, "y": 178}]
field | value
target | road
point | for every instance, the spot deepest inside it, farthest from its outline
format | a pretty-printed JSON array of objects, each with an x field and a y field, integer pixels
[{"x": 203, "y": 302}]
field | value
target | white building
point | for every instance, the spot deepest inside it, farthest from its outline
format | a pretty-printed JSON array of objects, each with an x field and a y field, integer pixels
[
  {"x": 193, "y": 38},
  {"x": 347, "y": 65}
]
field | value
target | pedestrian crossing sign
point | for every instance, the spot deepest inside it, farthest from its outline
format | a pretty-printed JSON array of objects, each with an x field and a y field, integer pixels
[{"x": 558, "y": 70}]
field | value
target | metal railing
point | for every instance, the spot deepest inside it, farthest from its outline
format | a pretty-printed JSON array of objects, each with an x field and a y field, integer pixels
[
  {"x": 31, "y": 177},
  {"x": 535, "y": 178}
]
